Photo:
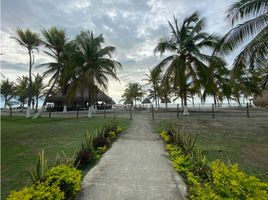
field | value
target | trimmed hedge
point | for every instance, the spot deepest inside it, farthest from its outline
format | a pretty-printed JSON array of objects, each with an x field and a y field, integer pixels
[{"x": 211, "y": 181}]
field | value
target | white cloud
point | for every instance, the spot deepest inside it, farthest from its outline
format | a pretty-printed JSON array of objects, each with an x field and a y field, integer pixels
[{"x": 134, "y": 27}]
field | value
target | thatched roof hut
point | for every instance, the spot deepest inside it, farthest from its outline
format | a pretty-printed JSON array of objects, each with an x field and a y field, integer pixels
[
  {"x": 262, "y": 99},
  {"x": 146, "y": 100},
  {"x": 165, "y": 101},
  {"x": 80, "y": 99}
]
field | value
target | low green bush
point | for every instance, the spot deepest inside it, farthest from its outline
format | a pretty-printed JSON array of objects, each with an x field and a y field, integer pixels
[
  {"x": 215, "y": 181},
  {"x": 227, "y": 182},
  {"x": 67, "y": 178},
  {"x": 101, "y": 150},
  {"x": 38, "y": 191}
]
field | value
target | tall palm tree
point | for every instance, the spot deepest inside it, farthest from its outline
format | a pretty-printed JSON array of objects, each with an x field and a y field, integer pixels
[
  {"x": 95, "y": 65},
  {"x": 30, "y": 41},
  {"x": 7, "y": 90},
  {"x": 133, "y": 93},
  {"x": 165, "y": 91},
  {"x": 55, "y": 41},
  {"x": 20, "y": 90},
  {"x": 38, "y": 87},
  {"x": 250, "y": 21},
  {"x": 154, "y": 79},
  {"x": 186, "y": 42},
  {"x": 213, "y": 78}
]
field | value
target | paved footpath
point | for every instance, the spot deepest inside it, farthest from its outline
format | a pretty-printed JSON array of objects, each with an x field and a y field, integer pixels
[{"x": 135, "y": 168}]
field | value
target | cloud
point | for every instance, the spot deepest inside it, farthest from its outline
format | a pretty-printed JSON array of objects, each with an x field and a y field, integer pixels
[{"x": 132, "y": 26}]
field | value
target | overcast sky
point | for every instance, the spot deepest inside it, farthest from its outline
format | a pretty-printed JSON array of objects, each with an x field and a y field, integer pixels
[{"x": 132, "y": 26}]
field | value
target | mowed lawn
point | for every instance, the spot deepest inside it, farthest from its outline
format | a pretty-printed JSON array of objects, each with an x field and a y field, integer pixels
[
  {"x": 22, "y": 139},
  {"x": 230, "y": 138}
]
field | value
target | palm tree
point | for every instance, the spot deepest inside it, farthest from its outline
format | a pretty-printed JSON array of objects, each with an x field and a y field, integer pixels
[
  {"x": 95, "y": 65},
  {"x": 38, "y": 87},
  {"x": 132, "y": 93},
  {"x": 213, "y": 78},
  {"x": 55, "y": 40},
  {"x": 154, "y": 79},
  {"x": 30, "y": 41},
  {"x": 20, "y": 90},
  {"x": 187, "y": 61},
  {"x": 250, "y": 21},
  {"x": 7, "y": 91},
  {"x": 165, "y": 91}
]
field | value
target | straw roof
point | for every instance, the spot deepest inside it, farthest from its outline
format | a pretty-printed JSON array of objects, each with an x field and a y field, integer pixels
[
  {"x": 80, "y": 96},
  {"x": 262, "y": 99},
  {"x": 146, "y": 100},
  {"x": 165, "y": 101}
]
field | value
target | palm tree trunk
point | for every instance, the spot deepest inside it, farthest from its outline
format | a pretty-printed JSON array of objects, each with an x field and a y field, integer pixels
[
  {"x": 89, "y": 114},
  {"x": 28, "y": 112},
  {"x": 5, "y": 106},
  {"x": 185, "y": 109},
  {"x": 45, "y": 101},
  {"x": 215, "y": 101},
  {"x": 36, "y": 105}
]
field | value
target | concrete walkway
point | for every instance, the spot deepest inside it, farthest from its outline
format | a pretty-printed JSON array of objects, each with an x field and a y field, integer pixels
[{"x": 135, "y": 168}]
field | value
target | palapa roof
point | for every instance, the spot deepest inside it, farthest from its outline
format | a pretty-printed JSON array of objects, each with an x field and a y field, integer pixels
[
  {"x": 146, "y": 100},
  {"x": 80, "y": 96},
  {"x": 261, "y": 100},
  {"x": 165, "y": 101}
]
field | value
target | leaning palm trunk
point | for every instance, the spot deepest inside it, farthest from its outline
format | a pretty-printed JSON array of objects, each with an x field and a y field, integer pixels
[
  {"x": 45, "y": 101},
  {"x": 28, "y": 112}
]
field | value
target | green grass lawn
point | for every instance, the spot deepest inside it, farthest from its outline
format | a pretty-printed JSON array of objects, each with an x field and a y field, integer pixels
[
  {"x": 22, "y": 139},
  {"x": 235, "y": 139}
]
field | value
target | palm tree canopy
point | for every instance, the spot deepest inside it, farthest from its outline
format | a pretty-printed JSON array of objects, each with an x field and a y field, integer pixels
[
  {"x": 27, "y": 39},
  {"x": 132, "y": 92},
  {"x": 7, "y": 88},
  {"x": 188, "y": 62},
  {"x": 250, "y": 21},
  {"x": 96, "y": 62}
]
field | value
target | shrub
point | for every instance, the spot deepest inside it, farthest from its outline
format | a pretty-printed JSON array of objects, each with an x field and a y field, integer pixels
[
  {"x": 63, "y": 159},
  {"x": 211, "y": 182},
  {"x": 68, "y": 179},
  {"x": 101, "y": 137},
  {"x": 228, "y": 182},
  {"x": 101, "y": 150},
  {"x": 118, "y": 130},
  {"x": 38, "y": 191},
  {"x": 87, "y": 153},
  {"x": 112, "y": 135},
  {"x": 165, "y": 136},
  {"x": 37, "y": 172}
]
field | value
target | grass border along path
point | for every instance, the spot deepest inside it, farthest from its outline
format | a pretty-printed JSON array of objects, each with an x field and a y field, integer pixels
[{"x": 22, "y": 139}]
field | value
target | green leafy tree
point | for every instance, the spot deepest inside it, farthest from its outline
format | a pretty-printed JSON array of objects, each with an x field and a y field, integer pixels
[
  {"x": 30, "y": 41},
  {"x": 186, "y": 42}
]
